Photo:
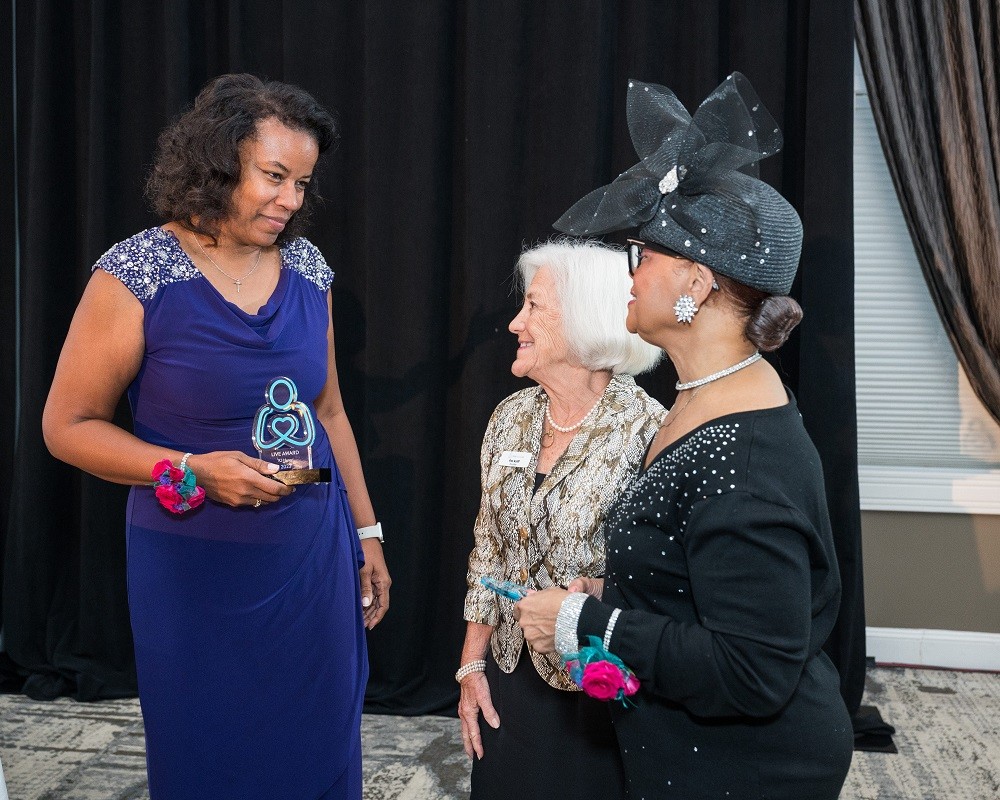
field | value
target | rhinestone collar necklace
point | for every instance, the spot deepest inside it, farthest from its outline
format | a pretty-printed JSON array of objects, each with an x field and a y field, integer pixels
[{"x": 722, "y": 373}]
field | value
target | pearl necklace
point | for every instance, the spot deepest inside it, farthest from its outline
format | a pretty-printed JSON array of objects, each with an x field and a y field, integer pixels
[
  {"x": 560, "y": 428},
  {"x": 237, "y": 281},
  {"x": 722, "y": 373}
]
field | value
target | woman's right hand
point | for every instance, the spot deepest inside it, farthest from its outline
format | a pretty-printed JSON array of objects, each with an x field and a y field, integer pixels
[
  {"x": 592, "y": 586},
  {"x": 236, "y": 479},
  {"x": 475, "y": 699}
]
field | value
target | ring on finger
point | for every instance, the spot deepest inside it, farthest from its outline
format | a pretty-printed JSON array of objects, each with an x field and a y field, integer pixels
[{"x": 257, "y": 503}]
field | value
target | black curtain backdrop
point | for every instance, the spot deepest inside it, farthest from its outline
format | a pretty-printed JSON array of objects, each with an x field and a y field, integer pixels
[{"x": 468, "y": 128}]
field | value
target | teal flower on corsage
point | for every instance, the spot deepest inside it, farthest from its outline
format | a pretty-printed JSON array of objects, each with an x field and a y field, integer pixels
[{"x": 176, "y": 488}]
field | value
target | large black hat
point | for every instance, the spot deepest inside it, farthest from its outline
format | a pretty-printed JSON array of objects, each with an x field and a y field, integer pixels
[{"x": 696, "y": 189}]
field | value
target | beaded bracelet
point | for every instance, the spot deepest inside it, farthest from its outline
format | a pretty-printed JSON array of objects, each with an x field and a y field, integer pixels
[
  {"x": 467, "y": 669},
  {"x": 176, "y": 487},
  {"x": 610, "y": 629},
  {"x": 566, "y": 639}
]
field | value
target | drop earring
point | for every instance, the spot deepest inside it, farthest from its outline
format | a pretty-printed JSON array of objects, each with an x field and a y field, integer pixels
[{"x": 685, "y": 309}]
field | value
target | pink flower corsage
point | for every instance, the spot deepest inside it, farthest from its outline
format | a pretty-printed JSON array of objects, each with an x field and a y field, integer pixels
[
  {"x": 601, "y": 674},
  {"x": 175, "y": 488}
]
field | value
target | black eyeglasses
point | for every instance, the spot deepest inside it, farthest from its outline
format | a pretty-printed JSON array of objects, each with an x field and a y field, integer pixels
[{"x": 636, "y": 253}]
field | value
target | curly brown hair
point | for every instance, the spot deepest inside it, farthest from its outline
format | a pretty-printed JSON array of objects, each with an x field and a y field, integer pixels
[{"x": 197, "y": 164}]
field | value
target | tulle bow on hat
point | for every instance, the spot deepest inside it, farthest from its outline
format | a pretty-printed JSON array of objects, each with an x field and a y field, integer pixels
[{"x": 695, "y": 189}]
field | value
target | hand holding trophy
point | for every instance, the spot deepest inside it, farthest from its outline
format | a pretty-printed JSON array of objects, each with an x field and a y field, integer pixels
[{"x": 284, "y": 431}]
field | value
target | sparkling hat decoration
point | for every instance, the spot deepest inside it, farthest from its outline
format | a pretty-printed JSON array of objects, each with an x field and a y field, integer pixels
[{"x": 696, "y": 191}]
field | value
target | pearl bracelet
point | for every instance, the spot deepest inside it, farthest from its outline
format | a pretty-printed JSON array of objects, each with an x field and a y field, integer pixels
[
  {"x": 467, "y": 669},
  {"x": 610, "y": 628},
  {"x": 567, "y": 640}
]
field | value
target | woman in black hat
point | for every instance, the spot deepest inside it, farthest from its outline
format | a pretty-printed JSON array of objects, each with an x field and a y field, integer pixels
[{"x": 721, "y": 583}]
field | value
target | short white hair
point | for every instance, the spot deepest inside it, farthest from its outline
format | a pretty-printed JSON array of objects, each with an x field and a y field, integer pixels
[{"x": 593, "y": 288}]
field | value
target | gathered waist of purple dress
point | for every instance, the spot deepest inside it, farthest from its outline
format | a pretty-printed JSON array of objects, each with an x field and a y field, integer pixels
[{"x": 227, "y": 435}]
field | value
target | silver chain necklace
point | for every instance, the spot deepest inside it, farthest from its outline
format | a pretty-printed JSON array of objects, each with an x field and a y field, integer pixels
[
  {"x": 722, "y": 373},
  {"x": 671, "y": 415},
  {"x": 237, "y": 281}
]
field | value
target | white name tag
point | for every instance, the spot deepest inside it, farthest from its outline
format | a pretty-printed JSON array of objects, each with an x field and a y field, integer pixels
[{"x": 510, "y": 458}]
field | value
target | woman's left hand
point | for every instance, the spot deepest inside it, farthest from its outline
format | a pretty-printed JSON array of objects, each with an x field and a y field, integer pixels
[
  {"x": 536, "y": 614},
  {"x": 375, "y": 583}
]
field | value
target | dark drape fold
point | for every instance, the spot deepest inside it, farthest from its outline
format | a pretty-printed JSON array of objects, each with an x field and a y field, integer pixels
[
  {"x": 933, "y": 77},
  {"x": 9, "y": 274},
  {"x": 826, "y": 289},
  {"x": 467, "y": 129}
]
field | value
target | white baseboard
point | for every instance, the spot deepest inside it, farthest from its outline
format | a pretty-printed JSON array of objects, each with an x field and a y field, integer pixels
[{"x": 931, "y": 648}]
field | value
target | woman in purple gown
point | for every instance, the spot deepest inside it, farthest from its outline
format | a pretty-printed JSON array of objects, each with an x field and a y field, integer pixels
[{"x": 247, "y": 609}]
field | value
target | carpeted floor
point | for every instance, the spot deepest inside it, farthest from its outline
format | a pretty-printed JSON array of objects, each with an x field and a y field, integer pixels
[{"x": 947, "y": 733}]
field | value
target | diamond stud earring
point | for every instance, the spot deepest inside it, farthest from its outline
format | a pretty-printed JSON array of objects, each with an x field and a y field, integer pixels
[{"x": 685, "y": 309}]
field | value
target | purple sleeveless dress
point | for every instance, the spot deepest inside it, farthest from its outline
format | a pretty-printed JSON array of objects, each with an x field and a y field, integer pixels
[{"x": 249, "y": 640}]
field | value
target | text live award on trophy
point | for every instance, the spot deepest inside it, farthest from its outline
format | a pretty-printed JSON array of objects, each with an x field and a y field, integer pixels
[{"x": 284, "y": 431}]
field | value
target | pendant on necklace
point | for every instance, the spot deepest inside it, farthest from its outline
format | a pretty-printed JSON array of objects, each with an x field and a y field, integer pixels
[
  {"x": 238, "y": 285},
  {"x": 550, "y": 436}
]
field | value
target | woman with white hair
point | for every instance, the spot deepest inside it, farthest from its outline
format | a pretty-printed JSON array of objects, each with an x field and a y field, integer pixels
[{"x": 554, "y": 458}]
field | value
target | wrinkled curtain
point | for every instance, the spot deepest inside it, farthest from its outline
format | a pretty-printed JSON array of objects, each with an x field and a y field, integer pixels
[{"x": 933, "y": 78}]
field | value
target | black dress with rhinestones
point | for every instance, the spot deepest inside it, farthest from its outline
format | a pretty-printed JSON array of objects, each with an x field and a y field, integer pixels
[{"x": 721, "y": 557}]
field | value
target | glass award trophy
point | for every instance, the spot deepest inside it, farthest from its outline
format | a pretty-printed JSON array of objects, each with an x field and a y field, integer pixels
[{"x": 284, "y": 432}]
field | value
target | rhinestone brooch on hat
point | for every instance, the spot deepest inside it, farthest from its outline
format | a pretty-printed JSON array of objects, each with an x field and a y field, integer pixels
[
  {"x": 672, "y": 179},
  {"x": 669, "y": 182}
]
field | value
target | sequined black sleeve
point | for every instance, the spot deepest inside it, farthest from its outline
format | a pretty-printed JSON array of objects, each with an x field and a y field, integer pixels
[{"x": 749, "y": 579}]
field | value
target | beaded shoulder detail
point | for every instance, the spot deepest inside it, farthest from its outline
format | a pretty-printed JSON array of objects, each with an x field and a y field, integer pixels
[
  {"x": 302, "y": 256},
  {"x": 152, "y": 259},
  {"x": 148, "y": 261},
  {"x": 705, "y": 446},
  {"x": 705, "y": 464}
]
